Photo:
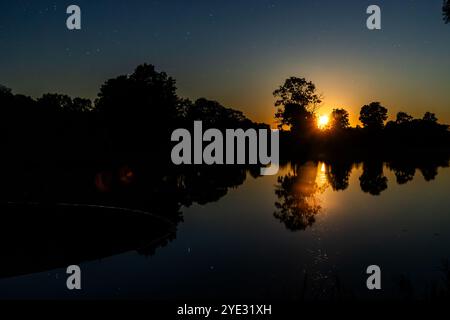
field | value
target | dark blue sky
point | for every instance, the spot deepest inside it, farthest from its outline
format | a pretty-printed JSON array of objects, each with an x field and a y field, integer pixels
[{"x": 236, "y": 52}]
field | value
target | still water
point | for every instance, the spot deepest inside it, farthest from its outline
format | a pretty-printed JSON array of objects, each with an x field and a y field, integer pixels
[{"x": 308, "y": 233}]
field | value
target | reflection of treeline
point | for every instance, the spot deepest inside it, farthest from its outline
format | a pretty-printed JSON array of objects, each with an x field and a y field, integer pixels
[
  {"x": 134, "y": 189},
  {"x": 298, "y": 191},
  {"x": 157, "y": 188},
  {"x": 50, "y": 193},
  {"x": 132, "y": 113},
  {"x": 297, "y": 204}
]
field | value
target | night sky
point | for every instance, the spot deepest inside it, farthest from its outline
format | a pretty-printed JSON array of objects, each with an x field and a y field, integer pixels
[{"x": 236, "y": 51}]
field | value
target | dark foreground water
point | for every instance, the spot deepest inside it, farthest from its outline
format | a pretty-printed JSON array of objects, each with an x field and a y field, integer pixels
[{"x": 308, "y": 233}]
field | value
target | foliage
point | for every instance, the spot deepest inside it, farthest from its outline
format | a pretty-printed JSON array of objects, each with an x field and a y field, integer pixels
[
  {"x": 339, "y": 119},
  {"x": 373, "y": 116},
  {"x": 296, "y": 104},
  {"x": 446, "y": 11},
  {"x": 403, "y": 117}
]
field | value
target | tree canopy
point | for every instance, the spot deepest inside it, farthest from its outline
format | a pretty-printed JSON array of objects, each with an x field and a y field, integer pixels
[
  {"x": 339, "y": 119},
  {"x": 146, "y": 93},
  {"x": 61, "y": 102},
  {"x": 430, "y": 117},
  {"x": 297, "y": 101},
  {"x": 373, "y": 116},
  {"x": 403, "y": 117},
  {"x": 297, "y": 91},
  {"x": 446, "y": 11}
]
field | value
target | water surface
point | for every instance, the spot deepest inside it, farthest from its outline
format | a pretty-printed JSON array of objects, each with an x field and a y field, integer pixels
[{"x": 308, "y": 233}]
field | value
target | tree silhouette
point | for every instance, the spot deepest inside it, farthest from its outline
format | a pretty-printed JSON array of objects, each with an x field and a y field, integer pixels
[
  {"x": 6, "y": 100},
  {"x": 297, "y": 205},
  {"x": 405, "y": 175},
  {"x": 144, "y": 93},
  {"x": 5, "y": 92},
  {"x": 403, "y": 117},
  {"x": 446, "y": 11},
  {"x": 296, "y": 101},
  {"x": 373, "y": 116},
  {"x": 81, "y": 105},
  {"x": 55, "y": 102},
  {"x": 404, "y": 171},
  {"x": 139, "y": 108},
  {"x": 142, "y": 108},
  {"x": 372, "y": 180},
  {"x": 213, "y": 114},
  {"x": 430, "y": 117},
  {"x": 339, "y": 119},
  {"x": 59, "y": 102},
  {"x": 429, "y": 171},
  {"x": 338, "y": 175}
]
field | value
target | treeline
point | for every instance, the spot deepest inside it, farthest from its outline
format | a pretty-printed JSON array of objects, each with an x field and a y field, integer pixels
[
  {"x": 297, "y": 104},
  {"x": 132, "y": 113},
  {"x": 137, "y": 113},
  {"x": 404, "y": 134},
  {"x": 446, "y": 11}
]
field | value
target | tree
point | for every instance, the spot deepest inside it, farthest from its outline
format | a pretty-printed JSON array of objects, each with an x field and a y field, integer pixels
[
  {"x": 339, "y": 119},
  {"x": 446, "y": 11},
  {"x": 139, "y": 107},
  {"x": 144, "y": 95},
  {"x": 81, "y": 105},
  {"x": 55, "y": 102},
  {"x": 297, "y": 118},
  {"x": 6, "y": 97},
  {"x": 430, "y": 117},
  {"x": 403, "y": 117},
  {"x": 297, "y": 91},
  {"x": 297, "y": 102},
  {"x": 373, "y": 116},
  {"x": 4, "y": 91}
]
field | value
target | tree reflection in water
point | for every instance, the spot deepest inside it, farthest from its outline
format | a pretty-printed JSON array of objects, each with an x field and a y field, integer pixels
[
  {"x": 297, "y": 203},
  {"x": 298, "y": 191},
  {"x": 163, "y": 192},
  {"x": 338, "y": 175},
  {"x": 404, "y": 172},
  {"x": 372, "y": 180},
  {"x": 118, "y": 208}
]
